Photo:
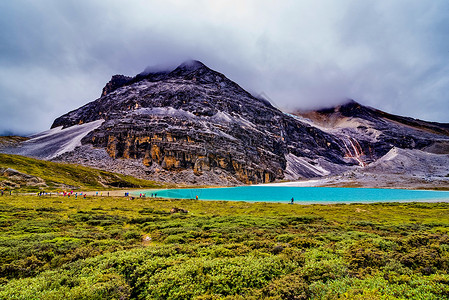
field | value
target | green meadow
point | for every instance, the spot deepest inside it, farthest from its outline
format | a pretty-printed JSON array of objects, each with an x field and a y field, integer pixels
[{"x": 116, "y": 248}]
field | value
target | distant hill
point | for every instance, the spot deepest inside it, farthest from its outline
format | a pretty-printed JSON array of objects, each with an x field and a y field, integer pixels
[
  {"x": 29, "y": 174},
  {"x": 368, "y": 133}
]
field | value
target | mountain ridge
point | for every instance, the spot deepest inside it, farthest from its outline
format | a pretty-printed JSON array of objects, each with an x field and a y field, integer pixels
[
  {"x": 193, "y": 125},
  {"x": 350, "y": 107}
]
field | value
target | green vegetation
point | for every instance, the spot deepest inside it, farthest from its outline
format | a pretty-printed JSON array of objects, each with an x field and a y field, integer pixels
[
  {"x": 11, "y": 140},
  {"x": 115, "y": 248},
  {"x": 35, "y": 175}
]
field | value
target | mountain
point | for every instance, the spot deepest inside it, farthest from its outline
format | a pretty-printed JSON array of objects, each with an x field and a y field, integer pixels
[
  {"x": 391, "y": 150},
  {"x": 372, "y": 133},
  {"x": 194, "y": 125}
]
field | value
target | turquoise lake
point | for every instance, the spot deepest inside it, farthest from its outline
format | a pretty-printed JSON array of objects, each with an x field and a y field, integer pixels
[{"x": 302, "y": 194}]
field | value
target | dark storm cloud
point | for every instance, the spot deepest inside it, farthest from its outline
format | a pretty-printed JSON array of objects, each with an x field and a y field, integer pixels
[{"x": 57, "y": 55}]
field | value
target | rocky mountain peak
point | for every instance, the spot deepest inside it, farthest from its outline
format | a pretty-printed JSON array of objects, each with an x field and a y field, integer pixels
[
  {"x": 198, "y": 72},
  {"x": 189, "y": 70},
  {"x": 194, "y": 120},
  {"x": 348, "y": 105},
  {"x": 116, "y": 82},
  {"x": 191, "y": 65}
]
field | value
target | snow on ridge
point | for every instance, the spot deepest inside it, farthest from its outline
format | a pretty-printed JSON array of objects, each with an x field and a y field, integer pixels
[
  {"x": 164, "y": 111},
  {"x": 411, "y": 161},
  {"x": 78, "y": 134},
  {"x": 46, "y": 133},
  {"x": 307, "y": 121},
  {"x": 346, "y": 127},
  {"x": 56, "y": 141},
  {"x": 224, "y": 117},
  {"x": 296, "y": 165},
  {"x": 391, "y": 155},
  {"x": 221, "y": 117}
]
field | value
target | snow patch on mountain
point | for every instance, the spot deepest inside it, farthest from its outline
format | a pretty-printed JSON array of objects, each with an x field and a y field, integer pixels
[
  {"x": 164, "y": 111},
  {"x": 345, "y": 127},
  {"x": 221, "y": 117},
  {"x": 297, "y": 166},
  {"x": 55, "y": 142},
  {"x": 405, "y": 161}
]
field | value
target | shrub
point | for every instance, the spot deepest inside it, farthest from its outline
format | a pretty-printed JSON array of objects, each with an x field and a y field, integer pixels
[
  {"x": 175, "y": 239},
  {"x": 132, "y": 235},
  {"x": 289, "y": 287},
  {"x": 322, "y": 265},
  {"x": 365, "y": 254}
]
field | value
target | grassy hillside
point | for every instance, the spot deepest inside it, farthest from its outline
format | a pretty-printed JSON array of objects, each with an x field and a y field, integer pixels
[
  {"x": 114, "y": 248},
  {"x": 33, "y": 174},
  {"x": 11, "y": 140}
]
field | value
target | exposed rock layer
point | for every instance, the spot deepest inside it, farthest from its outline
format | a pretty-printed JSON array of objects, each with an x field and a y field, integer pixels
[
  {"x": 193, "y": 125},
  {"x": 371, "y": 133},
  {"x": 194, "y": 118}
]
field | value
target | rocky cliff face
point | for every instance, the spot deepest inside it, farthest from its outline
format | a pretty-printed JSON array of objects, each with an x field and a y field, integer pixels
[
  {"x": 116, "y": 82},
  {"x": 369, "y": 133},
  {"x": 193, "y": 125},
  {"x": 194, "y": 118},
  {"x": 392, "y": 151}
]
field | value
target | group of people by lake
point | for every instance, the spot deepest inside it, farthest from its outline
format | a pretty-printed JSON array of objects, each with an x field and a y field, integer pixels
[
  {"x": 2, "y": 192},
  {"x": 84, "y": 195},
  {"x": 69, "y": 194}
]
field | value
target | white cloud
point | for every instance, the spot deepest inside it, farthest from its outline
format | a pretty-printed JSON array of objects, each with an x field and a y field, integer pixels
[{"x": 392, "y": 55}]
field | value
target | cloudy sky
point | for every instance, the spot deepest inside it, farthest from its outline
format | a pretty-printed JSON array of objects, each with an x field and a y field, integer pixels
[{"x": 389, "y": 54}]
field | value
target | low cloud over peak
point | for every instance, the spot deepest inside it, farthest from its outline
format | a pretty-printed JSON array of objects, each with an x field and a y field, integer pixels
[{"x": 57, "y": 55}]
